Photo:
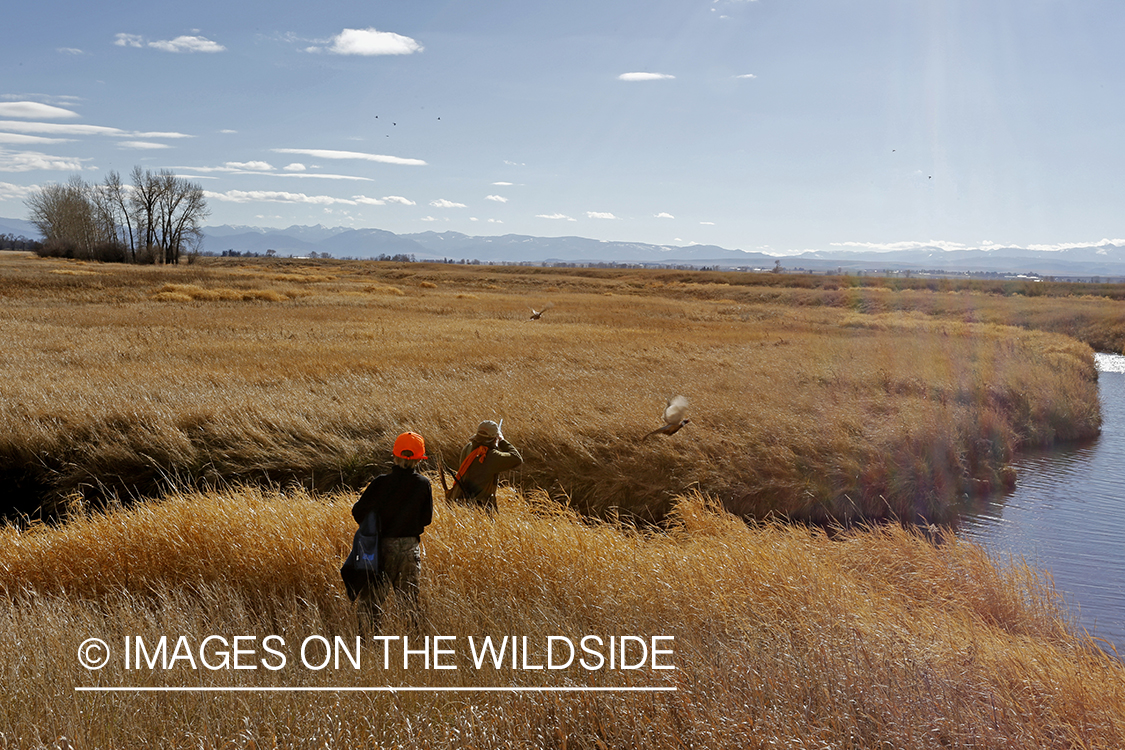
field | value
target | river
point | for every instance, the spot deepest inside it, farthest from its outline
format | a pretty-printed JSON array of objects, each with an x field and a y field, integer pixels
[{"x": 1066, "y": 515}]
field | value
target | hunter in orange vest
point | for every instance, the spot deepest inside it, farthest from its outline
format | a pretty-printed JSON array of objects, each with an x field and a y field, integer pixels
[{"x": 486, "y": 455}]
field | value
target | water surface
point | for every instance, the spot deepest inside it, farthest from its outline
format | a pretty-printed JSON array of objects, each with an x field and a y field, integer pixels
[{"x": 1066, "y": 515}]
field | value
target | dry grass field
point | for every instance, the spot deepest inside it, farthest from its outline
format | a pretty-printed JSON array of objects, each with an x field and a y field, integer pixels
[
  {"x": 781, "y": 636},
  {"x": 808, "y": 403},
  {"x": 265, "y": 389}
]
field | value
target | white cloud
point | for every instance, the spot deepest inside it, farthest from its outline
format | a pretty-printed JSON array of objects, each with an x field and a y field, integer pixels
[
  {"x": 130, "y": 40},
  {"x": 497, "y": 198},
  {"x": 363, "y": 199},
  {"x": 473, "y": 218},
  {"x": 28, "y": 161},
  {"x": 313, "y": 176},
  {"x": 69, "y": 51},
  {"x": 502, "y": 184},
  {"x": 143, "y": 145},
  {"x": 428, "y": 218},
  {"x": 664, "y": 215},
  {"x": 398, "y": 199},
  {"x": 228, "y": 131},
  {"x": 179, "y": 44},
  {"x": 599, "y": 215},
  {"x": 495, "y": 221},
  {"x": 29, "y": 140},
  {"x": 443, "y": 203},
  {"x": 644, "y": 77},
  {"x": 9, "y": 191},
  {"x": 187, "y": 44},
  {"x": 295, "y": 167},
  {"x": 276, "y": 196},
  {"x": 57, "y": 128},
  {"x": 34, "y": 111},
  {"x": 321, "y": 153},
  {"x": 707, "y": 223},
  {"x": 747, "y": 75},
  {"x": 256, "y": 166},
  {"x": 554, "y": 216},
  {"x": 371, "y": 42}
]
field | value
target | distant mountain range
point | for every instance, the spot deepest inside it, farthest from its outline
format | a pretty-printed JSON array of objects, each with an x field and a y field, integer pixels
[
  {"x": 1099, "y": 260},
  {"x": 1103, "y": 260}
]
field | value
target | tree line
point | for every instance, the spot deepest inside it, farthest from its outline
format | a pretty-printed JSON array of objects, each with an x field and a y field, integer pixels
[{"x": 156, "y": 219}]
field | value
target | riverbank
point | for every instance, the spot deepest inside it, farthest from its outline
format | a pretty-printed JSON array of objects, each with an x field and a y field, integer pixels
[
  {"x": 128, "y": 380},
  {"x": 779, "y": 636}
]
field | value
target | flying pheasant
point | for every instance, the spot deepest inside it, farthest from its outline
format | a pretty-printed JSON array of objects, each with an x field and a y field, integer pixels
[
  {"x": 537, "y": 314},
  {"x": 673, "y": 418}
]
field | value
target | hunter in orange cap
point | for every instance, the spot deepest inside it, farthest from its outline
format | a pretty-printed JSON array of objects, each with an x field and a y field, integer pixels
[{"x": 396, "y": 507}]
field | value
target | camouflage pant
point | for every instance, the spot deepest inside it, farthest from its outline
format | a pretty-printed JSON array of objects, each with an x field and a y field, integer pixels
[{"x": 400, "y": 558}]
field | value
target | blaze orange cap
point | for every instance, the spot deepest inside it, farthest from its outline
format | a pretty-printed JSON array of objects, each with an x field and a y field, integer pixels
[{"x": 411, "y": 446}]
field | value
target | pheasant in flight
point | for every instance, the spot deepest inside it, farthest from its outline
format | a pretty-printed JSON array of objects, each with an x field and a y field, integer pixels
[
  {"x": 537, "y": 314},
  {"x": 674, "y": 417}
]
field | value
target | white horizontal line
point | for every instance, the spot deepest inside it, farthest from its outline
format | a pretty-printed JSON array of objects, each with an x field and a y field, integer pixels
[{"x": 382, "y": 689}]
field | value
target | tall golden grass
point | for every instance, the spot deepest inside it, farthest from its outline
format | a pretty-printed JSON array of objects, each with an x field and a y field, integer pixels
[
  {"x": 822, "y": 403},
  {"x": 782, "y": 637}
]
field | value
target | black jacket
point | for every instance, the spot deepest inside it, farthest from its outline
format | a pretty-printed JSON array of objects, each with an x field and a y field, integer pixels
[{"x": 402, "y": 499}]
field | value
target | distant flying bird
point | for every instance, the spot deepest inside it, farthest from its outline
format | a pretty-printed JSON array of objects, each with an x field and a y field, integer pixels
[
  {"x": 537, "y": 314},
  {"x": 673, "y": 418}
]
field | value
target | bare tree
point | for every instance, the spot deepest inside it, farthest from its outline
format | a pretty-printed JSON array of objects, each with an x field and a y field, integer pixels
[
  {"x": 157, "y": 219},
  {"x": 169, "y": 211},
  {"x": 115, "y": 212}
]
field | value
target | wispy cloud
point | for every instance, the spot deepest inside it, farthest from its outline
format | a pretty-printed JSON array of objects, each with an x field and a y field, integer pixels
[
  {"x": 69, "y": 51},
  {"x": 263, "y": 168},
  {"x": 644, "y": 77},
  {"x": 279, "y": 196},
  {"x": 599, "y": 215},
  {"x": 367, "y": 42},
  {"x": 497, "y": 198},
  {"x": 143, "y": 145},
  {"x": 747, "y": 75},
  {"x": 321, "y": 153},
  {"x": 398, "y": 199},
  {"x": 34, "y": 111},
  {"x": 295, "y": 167},
  {"x": 707, "y": 223},
  {"x": 443, "y": 203},
  {"x": 664, "y": 215},
  {"x": 29, "y": 140},
  {"x": 255, "y": 166},
  {"x": 180, "y": 44},
  {"x": 9, "y": 191},
  {"x": 560, "y": 217},
  {"x": 29, "y": 161},
  {"x": 58, "y": 128},
  {"x": 503, "y": 184}
]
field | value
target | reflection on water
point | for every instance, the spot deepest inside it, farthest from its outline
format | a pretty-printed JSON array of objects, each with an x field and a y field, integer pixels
[{"x": 1067, "y": 515}]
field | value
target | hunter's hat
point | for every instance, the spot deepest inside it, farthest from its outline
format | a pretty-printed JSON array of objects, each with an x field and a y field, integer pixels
[{"x": 488, "y": 430}]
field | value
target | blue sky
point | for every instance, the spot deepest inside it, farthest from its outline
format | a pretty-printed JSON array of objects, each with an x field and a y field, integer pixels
[{"x": 775, "y": 125}]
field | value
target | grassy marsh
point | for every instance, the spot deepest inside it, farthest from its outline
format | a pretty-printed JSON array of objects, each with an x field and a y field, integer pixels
[{"x": 806, "y": 403}]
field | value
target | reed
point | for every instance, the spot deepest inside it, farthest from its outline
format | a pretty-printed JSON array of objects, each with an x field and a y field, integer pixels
[
  {"x": 816, "y": 404},
  {"x": 782, "y": 636}
]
